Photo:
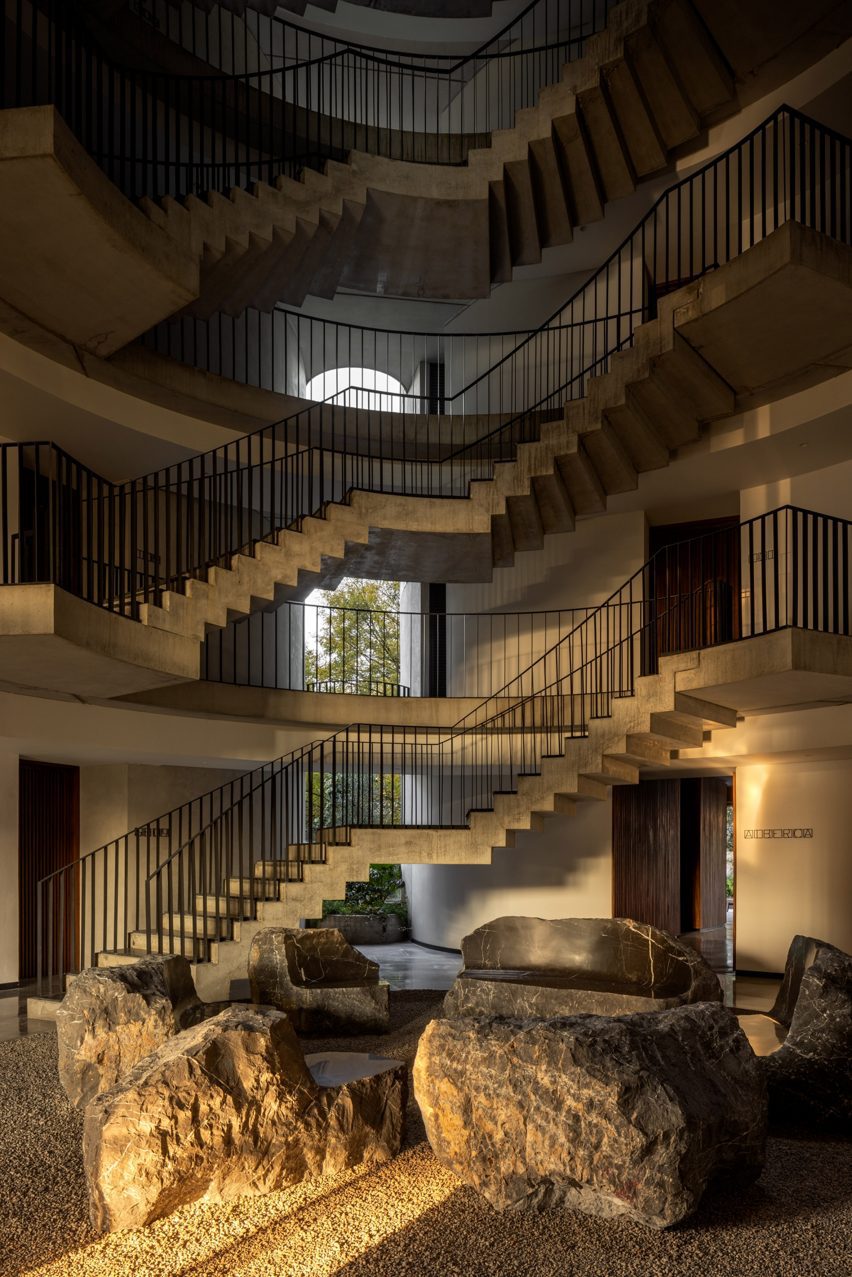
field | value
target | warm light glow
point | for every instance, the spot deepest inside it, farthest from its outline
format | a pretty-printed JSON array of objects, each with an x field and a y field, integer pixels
[{"x": 319, "y": 1227}]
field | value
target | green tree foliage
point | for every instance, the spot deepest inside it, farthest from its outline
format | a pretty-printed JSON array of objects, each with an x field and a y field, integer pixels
[
  {"x": 373, "y": 896},
  {"x": 355, "y": 647}
]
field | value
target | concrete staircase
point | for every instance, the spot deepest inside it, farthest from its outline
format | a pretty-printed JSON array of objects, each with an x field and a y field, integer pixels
[
  {"x": 275, "y": 244},
  {"x": 641, "y": 732},
  {"x": 729, "y": 337},
  {"x": 646, "y": 87}
]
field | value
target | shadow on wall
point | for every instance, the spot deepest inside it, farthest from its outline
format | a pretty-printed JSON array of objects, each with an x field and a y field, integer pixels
[{"x": 564, "y": 871}]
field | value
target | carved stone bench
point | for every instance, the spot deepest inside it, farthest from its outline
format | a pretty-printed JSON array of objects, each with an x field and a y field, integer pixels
[{"x": 604, "y": 966}]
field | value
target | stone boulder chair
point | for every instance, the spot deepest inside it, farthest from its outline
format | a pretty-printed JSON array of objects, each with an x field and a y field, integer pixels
[
  {"x": 315, "y": 975},
  {"x": 231, "y": 1107},
  {"x": 628, "y": 1115},
  {"x": 807, "y": 1054},
  {"x": 567, "y": 966},
  {"x": 111, "y": 1017}
]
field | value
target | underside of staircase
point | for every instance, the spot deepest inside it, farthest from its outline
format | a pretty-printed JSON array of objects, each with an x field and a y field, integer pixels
[
  {"x": 773, "y": 320},
  {"x": 645, "y": 89},
  {"x": 731, "y": 339}
]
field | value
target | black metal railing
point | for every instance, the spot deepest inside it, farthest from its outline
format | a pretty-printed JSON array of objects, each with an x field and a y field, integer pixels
[
  {"x": 121, "y": 545},
  {"x": 179, "y": 882},
  {"x": 284, "y": 98},
  {"x": 320, "y": 647}
]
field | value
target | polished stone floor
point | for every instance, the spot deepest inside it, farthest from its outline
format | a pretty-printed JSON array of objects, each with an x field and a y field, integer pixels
[
  {"x": 414, "y": 966},
  {"x": 13, "y": 1016}
]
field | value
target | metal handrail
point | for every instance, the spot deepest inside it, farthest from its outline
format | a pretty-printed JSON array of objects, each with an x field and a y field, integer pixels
[
  {"x": 184, "y": 518},
  {"x": 160, "y": 133},
  {"x": 789, "y": 567}
]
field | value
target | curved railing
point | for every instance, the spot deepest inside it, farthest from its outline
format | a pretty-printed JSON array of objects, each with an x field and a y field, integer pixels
[
  {"x": 292, "y": 98},
  {"x": 121, "y": 545},
  {"x": 320, "y": 647},
  {"x": 179, "y": 879}
]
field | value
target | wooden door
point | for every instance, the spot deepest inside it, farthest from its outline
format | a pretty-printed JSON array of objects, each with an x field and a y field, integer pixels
[
  {"x": 694, "y": 582},
  {"x": 48, "y": 840},
  {"x": 703, "y": 820},
  {"x": 646, "y": 853}
]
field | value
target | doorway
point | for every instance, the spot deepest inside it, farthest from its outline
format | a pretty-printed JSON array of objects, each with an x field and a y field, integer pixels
[
  {"x": 671, "y": 858},
  {"x": 48, "y": 840},
  {"x": 693, "y": 587}
]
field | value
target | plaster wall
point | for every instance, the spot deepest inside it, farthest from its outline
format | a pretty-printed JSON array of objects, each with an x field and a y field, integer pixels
[
  {"x": 9, "y": 867},
  {"x": 572, "y": 570},
  {"x": 786, "y": 886},
  {"x": 116, "y": 799},
  {"x": 565, "y": 871},
  {"x": 827, "y": 490}
]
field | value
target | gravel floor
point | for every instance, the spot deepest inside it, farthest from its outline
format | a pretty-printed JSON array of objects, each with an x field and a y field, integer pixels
[{"x": 407, "y": 1219}]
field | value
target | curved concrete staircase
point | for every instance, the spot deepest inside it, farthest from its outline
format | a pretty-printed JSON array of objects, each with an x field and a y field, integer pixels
[
  {"x": 645, "y": 89},
  {"x": 669, "y": 712},
  {"x": 730, "y": 339}
]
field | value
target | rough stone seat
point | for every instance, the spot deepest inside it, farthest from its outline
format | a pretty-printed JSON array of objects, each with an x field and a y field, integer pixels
[
  {"x": 231, "y": 1107},
  {"x": 603, "y": 966},
  {"x": 628, "y": 1115},
  {"x": 808, "y": 1059},
  {"x": 111, "y": 1017},
  {"x": 322, "y": 982}
]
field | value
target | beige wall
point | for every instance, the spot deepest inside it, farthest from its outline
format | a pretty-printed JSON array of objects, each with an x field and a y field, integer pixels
[
  {"x": 8, "y": 867},
  {"x": 827, "y": 491},
  {"x": 789, "y": 886},
  {"x": 115, "y": 799},
  {"x": 572, "y": 569},
  {"x": 563, "y": 872}
]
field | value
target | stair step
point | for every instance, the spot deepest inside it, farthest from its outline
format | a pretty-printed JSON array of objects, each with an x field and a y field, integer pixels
[
  {"x": 230, "y": 905},
  {"x": 584, "y": 194},
  {"x": 548, "y": 185},
  {"x": 705, "y": 712},
  {"x": 646, "y": 151},
  {"x": 675, "y": 118},
  {"x": 554, "y": 504},
  {"x": 581, "y": 479},
  {"x": 187, "y": 946},
  {"x": 201, "y": 927},
  {"x": 702, "y": 69},
  {"x": 278, "y": 870},
  {"x": 116, "y": 957},
  {"x": 611, "y": 159},
  {"x": 524, "y": 517},
  {"x": 524, "y": 239},
  {"x": 257, "y": 888}
]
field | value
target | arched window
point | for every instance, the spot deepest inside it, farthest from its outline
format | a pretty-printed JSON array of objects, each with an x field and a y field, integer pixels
[{"x": 358, "y": 388}]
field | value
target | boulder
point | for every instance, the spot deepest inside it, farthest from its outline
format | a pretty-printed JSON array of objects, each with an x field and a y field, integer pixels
[
  {"x": 624, "y": 1116},
  {"x": 230, "y": 1107},
  {"x": 810, "y": 1075},
  {"x": 113, "y": 1016},
  {"x": 315, "y": 975},
  {"x": 563, "y": 966}
]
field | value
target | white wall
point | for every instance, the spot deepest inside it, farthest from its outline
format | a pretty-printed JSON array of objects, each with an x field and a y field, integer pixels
[
  {"x": 9, "y": 867},
  {"x": 786, "y": 886},
  {"x": 563, "y": 872}
]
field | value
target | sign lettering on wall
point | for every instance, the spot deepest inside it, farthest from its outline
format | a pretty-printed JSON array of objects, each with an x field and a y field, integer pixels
[{"x": 799, "y": 831}]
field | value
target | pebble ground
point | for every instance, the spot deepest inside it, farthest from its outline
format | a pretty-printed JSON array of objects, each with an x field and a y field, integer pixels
[{"x": 409, "y": 1218}]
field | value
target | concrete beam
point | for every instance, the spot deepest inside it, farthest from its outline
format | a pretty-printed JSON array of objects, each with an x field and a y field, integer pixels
[{"x": 75, "y": 254}]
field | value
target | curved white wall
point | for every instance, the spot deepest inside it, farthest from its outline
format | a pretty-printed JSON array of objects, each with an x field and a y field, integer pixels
[{"x": 563, "y": 872}]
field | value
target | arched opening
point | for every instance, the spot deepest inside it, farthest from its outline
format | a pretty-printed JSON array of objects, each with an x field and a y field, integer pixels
[{"x": 358, "y": 388}]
